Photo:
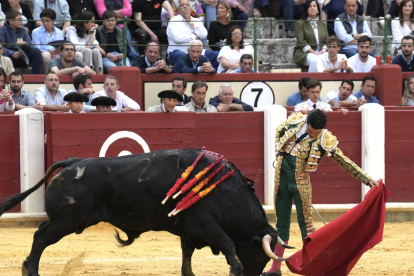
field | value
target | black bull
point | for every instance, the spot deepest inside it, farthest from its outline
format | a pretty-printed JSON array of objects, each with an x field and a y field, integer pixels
[{"x": 127, "y": 192}]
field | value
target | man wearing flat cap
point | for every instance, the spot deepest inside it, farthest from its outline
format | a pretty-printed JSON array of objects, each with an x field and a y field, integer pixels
[
  {"x": 75, "y": 102},
  {"x": 103, "y": 104},
  {"x": 169, "y": 100}
]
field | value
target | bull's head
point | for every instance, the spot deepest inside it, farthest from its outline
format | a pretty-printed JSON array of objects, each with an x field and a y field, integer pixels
[{"x": 255, "y": 253}]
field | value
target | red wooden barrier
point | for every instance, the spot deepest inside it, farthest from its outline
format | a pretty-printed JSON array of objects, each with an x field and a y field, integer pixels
[
  {"x": 9, "y": 157},
  {"x": 399, "y": 157}
]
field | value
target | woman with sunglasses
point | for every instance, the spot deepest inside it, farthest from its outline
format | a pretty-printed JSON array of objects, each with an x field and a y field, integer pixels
[
  {"x": 87, "y": 47},
  {"x": 229, "y": 56}
]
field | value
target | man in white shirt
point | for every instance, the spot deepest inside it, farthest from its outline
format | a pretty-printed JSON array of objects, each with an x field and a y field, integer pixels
[
  {"x": 362, "y": 62},
  {"x": 50, "y": 97},
  {"x": 314, "y": 88},
  {"x": 331, "y": 62},
  {"x": 343, "y": 96},
  {"x": 181, "y": 30},
  {"x": 123, "y": 102},
  {"x": 349, "y": 27}
]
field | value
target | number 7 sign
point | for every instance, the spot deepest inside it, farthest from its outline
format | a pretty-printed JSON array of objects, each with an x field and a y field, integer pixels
[{"x": 257, "y": 94}]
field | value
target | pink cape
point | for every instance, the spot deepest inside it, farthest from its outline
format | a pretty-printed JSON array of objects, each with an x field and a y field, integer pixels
[{"x": 334, "y": 249}]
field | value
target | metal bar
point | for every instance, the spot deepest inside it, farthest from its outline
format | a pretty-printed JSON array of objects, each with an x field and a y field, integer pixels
[
  {"x": 125, "y": 40},
  {"x": 255, "y": 43},
  {"x": 385, "y": 38},
  {"x": 319, "y": 215}
]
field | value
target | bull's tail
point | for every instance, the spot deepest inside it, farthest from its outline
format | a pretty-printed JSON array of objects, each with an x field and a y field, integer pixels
[
  {"x": 16, "y": 199},
  {"x": 132, "y": 235}
]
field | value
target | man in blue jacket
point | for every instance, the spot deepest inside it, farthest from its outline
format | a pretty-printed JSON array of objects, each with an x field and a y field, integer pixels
[
  {"x": 17, "y": 43},
  {"x": 194, "y": 62}
]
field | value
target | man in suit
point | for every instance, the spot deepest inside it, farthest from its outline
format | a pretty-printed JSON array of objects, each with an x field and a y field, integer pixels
[
  {"x": 194, "y": 62},
  {"x": 150, "y": 63}
]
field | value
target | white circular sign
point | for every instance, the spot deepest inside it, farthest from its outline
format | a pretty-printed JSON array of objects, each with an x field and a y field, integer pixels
[
  {"x": 120, "y": 135},
  {"x": 257, "y": 94}
]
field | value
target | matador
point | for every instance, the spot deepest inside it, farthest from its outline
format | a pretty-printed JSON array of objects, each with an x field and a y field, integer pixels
[{"x": 301, "y": 143}]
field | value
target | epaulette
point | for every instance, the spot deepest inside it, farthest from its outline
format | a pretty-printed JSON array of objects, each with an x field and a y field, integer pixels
[
  {"x": 328, "y": 141},
  {"x": 296, "y": 118}
]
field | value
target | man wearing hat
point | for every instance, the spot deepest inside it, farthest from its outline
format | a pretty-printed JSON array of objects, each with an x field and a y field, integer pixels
[
  {"x": 103, "y": 104},
  {"x": 75, "y": 102},
  {"x": 169, "y": 99}
]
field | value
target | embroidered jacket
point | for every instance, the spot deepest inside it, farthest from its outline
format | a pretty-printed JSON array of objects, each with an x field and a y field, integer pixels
[{"x": 309, "y": 153}]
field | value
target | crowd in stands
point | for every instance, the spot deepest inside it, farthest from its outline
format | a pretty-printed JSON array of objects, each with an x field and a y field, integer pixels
[{"x": 53, "y": 45}]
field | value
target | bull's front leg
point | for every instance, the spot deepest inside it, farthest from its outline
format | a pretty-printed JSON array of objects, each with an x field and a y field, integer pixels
[{"x": 188, "y": 250}]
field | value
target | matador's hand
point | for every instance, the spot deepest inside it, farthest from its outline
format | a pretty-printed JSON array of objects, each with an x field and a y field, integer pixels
[{"x": 373, "y": 183}]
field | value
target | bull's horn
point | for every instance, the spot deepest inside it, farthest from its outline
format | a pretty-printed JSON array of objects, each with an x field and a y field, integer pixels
[
  {"x": 266, "y": 247},
  {"x": 279, "y": 241}
]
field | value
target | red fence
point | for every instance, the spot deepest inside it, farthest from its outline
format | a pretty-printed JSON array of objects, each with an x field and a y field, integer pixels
[
  {"x": 10, "y": 156},
  {"x": 399, "y": 155}
]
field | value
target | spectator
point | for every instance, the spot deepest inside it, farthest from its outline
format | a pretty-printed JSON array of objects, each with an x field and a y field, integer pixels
[
  {"x": 61, "y": 8},
  {"x": 246, "y": 65},
  {"x": 408, "y": 97},
  {"x": 349, "y": 27},
  {"x": 332, "y": 8},
  {"x": 75, "y": 102},
  {"x": 21, "y": 98},
  {"x": 123, "y": 102},
  {"x": 76, "y": 7},
  {"x": 179, "y": 85},
  {"x": 24, "y": 8},
  {"x": 19, "y": 48},
  {"x": 259, "y": 5},
  {"x": 50, "y": 97},
  {"x": 198, "y": 103},
  {"x": 209, "y": 9},
  {"x": 331, "y": 61},
  {"x": 83, "y": 85},
  {"x": 225, "y": 101},
  {"x": 67, "y": 64},
  {"x": 181, "y": 30},
  {"x": 402, "y": 26},
  {"x": 362, "y": 62},
  {"x": 111, "y": 40},
  {"x": 311, "y": 35},
  {"x": 2, "y": 14},
  {"x": 302, "y": 95},
  {"x": 230, "y": 54},
  {"x": 194, "y": 62},
  {"x": 391, "y": 13},
  {"x": 365, "y": 95},
  {"x": 343, "y": 96},
  {"x": 405, "y": 60},
  {"x": 150, "y": 63},
  {"x": 5, "y": 62},
  {"x": 83, "y": 36},
  {"x": 240, "y": 11},
  {"x": 47, "y": 33},
  {"x": 121, "y": 8},
  {"x": 314, "y": 89},
  {"x": 103, "y": 104},
  {"x": 291, "y": 10},
  {"x": 150, "y": 10},
  {"x": 6, "y": 99},
  {"x": 169, "y": 100},
  {"x": 217, "y": 33}
]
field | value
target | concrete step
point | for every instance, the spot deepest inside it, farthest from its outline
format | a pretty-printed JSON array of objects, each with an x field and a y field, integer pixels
[{"x": 268, "y": 27}]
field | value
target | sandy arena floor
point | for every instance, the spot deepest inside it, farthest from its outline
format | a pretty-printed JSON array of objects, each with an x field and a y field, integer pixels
[{"x": 158, "y": 253}]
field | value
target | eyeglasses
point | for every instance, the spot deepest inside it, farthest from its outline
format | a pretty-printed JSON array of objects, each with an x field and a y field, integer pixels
[
  {"x": 69, "y": 50},
  {"x": 236, "y": 33}
]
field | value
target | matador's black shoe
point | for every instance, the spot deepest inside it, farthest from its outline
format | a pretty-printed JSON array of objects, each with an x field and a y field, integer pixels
[{"x": 277, "y": 273}]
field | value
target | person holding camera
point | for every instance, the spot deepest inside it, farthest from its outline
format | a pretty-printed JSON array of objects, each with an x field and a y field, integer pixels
[{"x": 87, "y": 47}]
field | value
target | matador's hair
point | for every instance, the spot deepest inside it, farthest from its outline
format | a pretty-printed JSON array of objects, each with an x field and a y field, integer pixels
[{"x": 317, "y": 119}]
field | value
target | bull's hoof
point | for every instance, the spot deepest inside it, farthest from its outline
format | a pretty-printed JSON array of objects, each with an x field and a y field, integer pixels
[
  {"x": 277, "y": 273},
  {"x": 25, "y": 266}
]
